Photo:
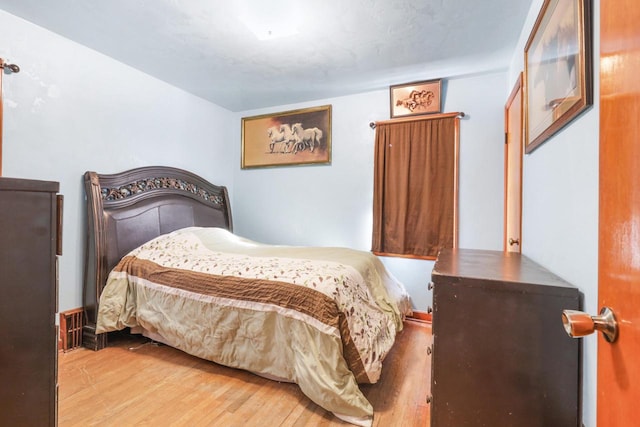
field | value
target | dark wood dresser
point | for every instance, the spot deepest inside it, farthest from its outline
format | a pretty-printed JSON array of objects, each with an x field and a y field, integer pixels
[
  {"x": 501, "y": 356},
  {"x": 30, "y": 224}
]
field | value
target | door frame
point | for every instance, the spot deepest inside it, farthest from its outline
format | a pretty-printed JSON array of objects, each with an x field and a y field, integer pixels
[{"x": 508, "y": 165}]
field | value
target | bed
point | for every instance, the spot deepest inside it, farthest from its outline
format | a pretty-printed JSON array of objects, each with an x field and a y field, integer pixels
[{"x": 162, "y": 260}]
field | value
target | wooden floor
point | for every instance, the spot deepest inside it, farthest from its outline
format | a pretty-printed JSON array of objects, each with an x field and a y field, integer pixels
[{"x": 136, "y": 383}]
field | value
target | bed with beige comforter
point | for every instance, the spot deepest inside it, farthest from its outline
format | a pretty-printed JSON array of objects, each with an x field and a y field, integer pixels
[{"x": 324, "y": 318}]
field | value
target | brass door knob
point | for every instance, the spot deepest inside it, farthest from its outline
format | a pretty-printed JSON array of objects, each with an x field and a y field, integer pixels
[
  {"x": 513, "y": 241},
  {"x": 578, "y": 323}
]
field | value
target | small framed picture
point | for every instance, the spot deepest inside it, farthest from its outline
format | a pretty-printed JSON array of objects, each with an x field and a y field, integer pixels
[{"x": 411, "y": 99}]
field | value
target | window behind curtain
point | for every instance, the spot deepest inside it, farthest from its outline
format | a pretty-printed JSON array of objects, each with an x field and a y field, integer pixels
[{"x": 415, "y": 187}]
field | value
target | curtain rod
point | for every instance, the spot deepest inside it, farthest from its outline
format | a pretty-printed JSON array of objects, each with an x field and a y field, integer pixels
[{"x": 458, "y": 114}]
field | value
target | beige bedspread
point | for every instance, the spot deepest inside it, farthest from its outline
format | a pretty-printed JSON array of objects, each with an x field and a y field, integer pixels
[{"x": 324, "y": 318}]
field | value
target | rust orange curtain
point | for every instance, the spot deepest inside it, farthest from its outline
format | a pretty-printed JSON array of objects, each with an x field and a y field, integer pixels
[{"x": 414, "y": 187}]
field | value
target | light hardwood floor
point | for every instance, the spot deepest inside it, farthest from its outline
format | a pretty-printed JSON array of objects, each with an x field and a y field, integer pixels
[{"x": 131, "y": 383}]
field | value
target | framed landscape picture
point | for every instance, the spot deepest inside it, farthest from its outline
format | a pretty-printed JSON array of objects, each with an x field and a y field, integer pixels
[
  {"x": 287, "y": 138},
  {"x": 558, "y": 69}
]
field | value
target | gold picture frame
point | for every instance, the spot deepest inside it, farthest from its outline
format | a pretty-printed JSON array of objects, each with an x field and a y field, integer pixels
[
  {"x": 558, "y": 69},
  {"x": 296, "y": 137},
  {"x": 417, "y": 98}
]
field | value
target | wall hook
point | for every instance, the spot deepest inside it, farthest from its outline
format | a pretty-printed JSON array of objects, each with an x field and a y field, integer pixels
[{"x": 9, "y": 68}]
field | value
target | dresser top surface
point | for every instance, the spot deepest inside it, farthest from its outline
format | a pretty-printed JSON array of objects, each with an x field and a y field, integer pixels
[
  {"x": 495, "y": 266},
  {"x": 19, "y": 184}
]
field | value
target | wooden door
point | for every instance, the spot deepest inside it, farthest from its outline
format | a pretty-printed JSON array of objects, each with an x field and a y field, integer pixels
[
  {"x": 513, "y": 170},
  {"x": 619, "y": 221}
]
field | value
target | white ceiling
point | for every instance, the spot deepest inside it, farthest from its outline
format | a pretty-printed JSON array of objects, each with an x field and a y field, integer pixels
[{"x": 341, "y": 46}]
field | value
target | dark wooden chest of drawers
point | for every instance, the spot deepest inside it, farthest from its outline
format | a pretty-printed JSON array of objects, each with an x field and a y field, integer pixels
[
  {"x": 501, "y": 356},
  {"x": 30, "y": 214}
]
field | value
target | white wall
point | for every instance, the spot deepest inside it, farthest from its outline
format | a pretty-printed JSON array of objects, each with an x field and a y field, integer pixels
[
  {"x": 71, "y": 109},
  {"x": 560, "y": 206},
  {"x": 331, "y": 205}
]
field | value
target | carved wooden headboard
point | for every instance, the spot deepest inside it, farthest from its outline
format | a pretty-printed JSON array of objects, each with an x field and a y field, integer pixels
[{"x": 127, "y": 209}]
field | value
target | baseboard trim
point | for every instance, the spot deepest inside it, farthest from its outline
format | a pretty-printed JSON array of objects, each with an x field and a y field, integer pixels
[{"x": 421, "y": 316}]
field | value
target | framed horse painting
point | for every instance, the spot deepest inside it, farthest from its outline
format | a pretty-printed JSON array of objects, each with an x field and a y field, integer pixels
[
  {"x": 296, "y": 137},
  {"x": 416, "y": 98}
]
